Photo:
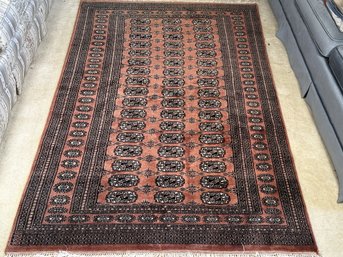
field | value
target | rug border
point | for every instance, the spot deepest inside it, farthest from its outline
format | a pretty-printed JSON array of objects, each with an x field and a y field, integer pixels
[
  {"x": 286, "y": 134},
  {"x": 236, "y": 249}
]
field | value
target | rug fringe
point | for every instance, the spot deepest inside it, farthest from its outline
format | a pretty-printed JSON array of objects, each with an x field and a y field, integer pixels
[{"x": 159, "y": 254}]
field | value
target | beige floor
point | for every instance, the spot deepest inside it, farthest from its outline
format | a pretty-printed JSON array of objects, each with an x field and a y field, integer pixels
[{"x": 20, "y": 143}]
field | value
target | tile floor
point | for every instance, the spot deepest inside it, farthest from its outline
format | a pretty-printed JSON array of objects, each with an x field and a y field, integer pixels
[{"x": 18, "y": 148}]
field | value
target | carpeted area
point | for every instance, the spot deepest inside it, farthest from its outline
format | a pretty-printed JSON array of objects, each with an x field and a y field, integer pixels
[
  {"x": 315, "y": 174},
  {"x": 165, "y": 134}
]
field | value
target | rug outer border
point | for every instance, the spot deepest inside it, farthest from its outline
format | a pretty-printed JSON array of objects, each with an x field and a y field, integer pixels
[{"x": 286, "y": 134}]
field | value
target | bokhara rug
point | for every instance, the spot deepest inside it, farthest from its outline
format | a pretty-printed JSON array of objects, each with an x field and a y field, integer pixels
[{"x": 165, "y": 134}]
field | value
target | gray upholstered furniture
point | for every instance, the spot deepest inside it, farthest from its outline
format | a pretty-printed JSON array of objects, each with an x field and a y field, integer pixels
[
  {"x": 22, "y": 27},
  {"x": 315, "y": 48}
]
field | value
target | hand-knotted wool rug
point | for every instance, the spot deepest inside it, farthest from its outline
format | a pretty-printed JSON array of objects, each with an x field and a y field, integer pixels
[{"x": 165, "y": 134}]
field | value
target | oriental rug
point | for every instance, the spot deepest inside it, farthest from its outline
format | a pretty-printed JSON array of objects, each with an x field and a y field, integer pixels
[{"x": 165, "y": 134}]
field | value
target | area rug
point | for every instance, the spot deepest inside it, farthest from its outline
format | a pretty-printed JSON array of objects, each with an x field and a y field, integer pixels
[{"x": 165, "y": 134}]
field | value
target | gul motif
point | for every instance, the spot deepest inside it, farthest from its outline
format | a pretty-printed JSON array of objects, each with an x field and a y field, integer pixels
[
  {"x": 123, "y": 180},
  {"x": 172, "y": 126},
  {"x": 130, "y": 137},
  {"x": 136, "y": 91},
  {"x": 169, "y": 197},
  {"x": 122, "y": 196},
  {"x": 172, "y": 138},
  {"x": 208, "y": 93},
  {"x": 173, "y": 82},
  {"x": 126, "y": 165},
  {"x": 173, "y": 103},
  {"x": 175, "y": 92},
  {"x": 170, "y": 166},
  {"x": 215, "y": 198},
  {"x": 169, "y": 181},
  {"x": 128, "y": 150},
  {"x": 213, "y": 166},
  {"x": 135, "y": 102}
]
